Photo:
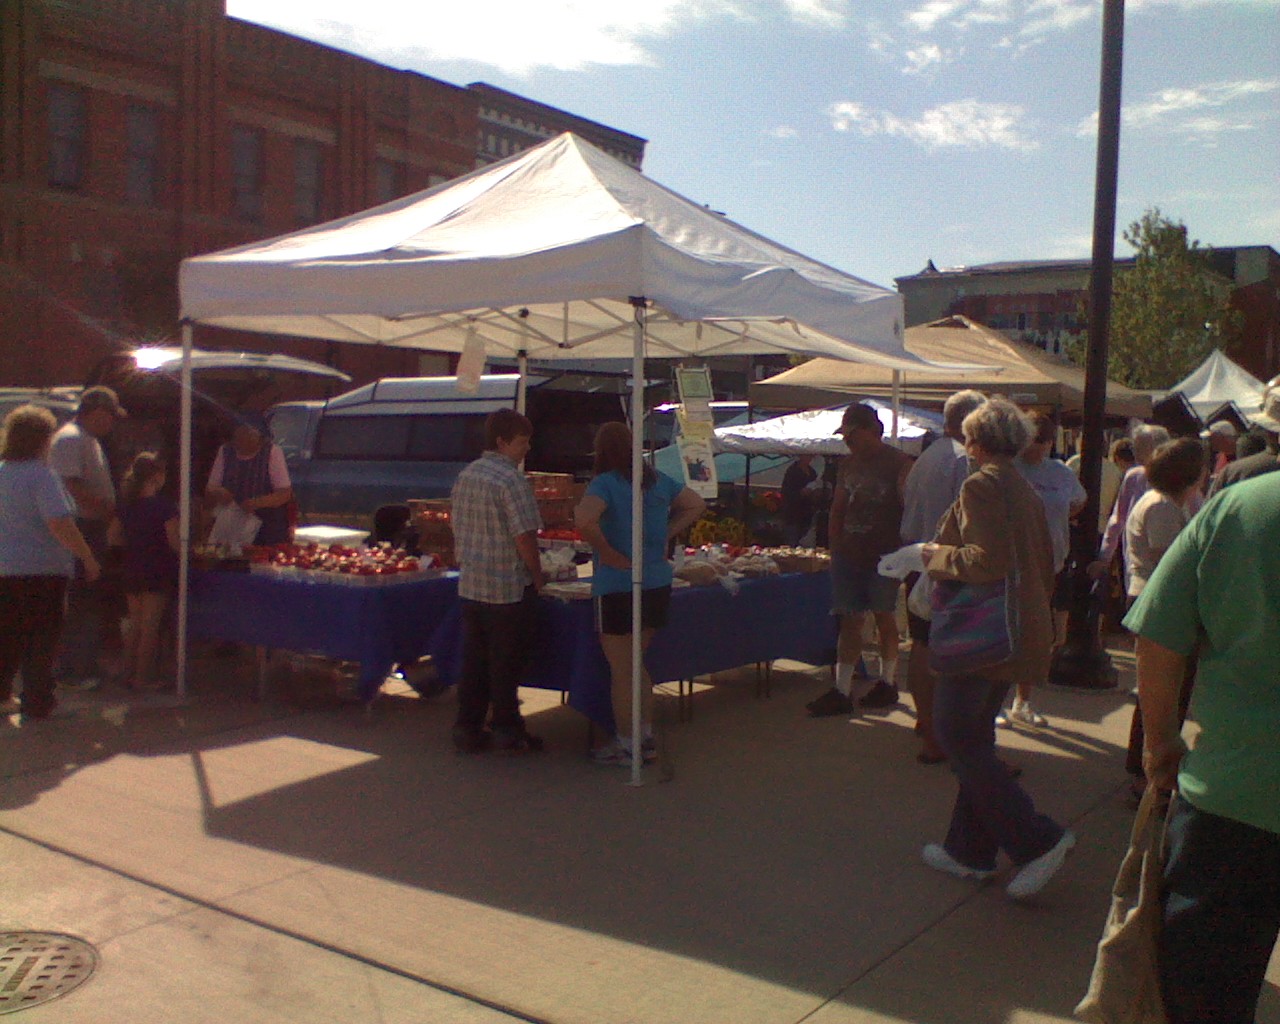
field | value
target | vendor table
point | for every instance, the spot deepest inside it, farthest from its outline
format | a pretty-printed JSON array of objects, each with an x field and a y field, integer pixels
[
  {"x": 710, "y": 630},
  {"x": 377, "y": 626}
]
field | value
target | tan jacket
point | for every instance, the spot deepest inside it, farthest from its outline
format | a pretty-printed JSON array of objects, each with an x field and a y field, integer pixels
[{"x": 998, "y": 523}]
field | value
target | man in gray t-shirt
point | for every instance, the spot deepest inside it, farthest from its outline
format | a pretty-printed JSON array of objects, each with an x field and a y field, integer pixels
[{"x": 76, "y": 455}]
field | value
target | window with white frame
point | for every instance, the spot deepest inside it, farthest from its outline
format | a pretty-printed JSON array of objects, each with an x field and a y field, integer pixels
[
  {"x": 308, "y": 181},
  {"x": 246, "y": 173},
  {"x": 142, "y": 154},
  {"x": 68, "y": 136}
]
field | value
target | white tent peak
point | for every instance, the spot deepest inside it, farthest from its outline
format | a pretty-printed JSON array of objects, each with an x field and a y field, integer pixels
[{"x": 1219, "y": 380}]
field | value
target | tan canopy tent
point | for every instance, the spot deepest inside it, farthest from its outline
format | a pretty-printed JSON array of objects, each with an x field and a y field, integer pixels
[{"x": 1021, "y": 372}]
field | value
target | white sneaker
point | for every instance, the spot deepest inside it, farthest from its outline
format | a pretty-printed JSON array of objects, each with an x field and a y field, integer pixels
[
  {"x": 612, "y": 752},
  {"x": 937, "y": 858},
  {"x": 1003, "y": 720},
  {"x": 1035, "y": 874},
  {"x": 1024, "y": 714}
]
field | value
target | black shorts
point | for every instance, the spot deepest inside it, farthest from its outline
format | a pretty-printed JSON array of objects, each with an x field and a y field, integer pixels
[
  {"x": 613, "y": 611},
  {"x": 1061, "y": 601}
]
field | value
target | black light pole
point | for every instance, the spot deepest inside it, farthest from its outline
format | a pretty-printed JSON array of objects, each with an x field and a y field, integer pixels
[{"x": 1081, "y": 661}]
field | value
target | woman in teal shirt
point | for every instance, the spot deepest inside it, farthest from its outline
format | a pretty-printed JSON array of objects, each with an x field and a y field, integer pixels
[{"x": 604, "y": 520}]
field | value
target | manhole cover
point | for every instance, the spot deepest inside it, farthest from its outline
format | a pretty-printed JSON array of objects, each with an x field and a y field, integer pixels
[{"x": 38, "y": 966}]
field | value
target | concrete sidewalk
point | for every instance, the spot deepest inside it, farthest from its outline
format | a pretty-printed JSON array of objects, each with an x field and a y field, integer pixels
[{"x": 306, "y": 861}]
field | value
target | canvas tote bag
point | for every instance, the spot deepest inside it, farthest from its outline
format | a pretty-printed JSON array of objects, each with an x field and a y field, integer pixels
[{"x": 1125, "y": 986}]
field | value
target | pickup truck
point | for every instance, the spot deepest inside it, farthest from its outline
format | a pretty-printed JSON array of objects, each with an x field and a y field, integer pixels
[{"x": 409, "y": 437}]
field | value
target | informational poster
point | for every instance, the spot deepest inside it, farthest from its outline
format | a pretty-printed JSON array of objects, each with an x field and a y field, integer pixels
[{"x": 697, "y": 430}]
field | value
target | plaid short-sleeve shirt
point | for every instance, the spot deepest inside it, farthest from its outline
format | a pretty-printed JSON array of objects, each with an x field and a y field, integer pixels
[{"x": 493, "y": 504}]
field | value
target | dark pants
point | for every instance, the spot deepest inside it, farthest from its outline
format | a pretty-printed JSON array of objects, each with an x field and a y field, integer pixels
[
  {"x": 495, "y": 645},
  {"x": 77, "y": 658},
  {"x": 31, "y": 609},
  {"x": 992, "y": 812},
  {"x": 1221, "y": 916}
]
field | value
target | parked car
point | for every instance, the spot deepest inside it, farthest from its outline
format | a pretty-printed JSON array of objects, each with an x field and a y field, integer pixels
[
  {"x": 61, "y": 402},
  {"x": 409, "y": 437}
]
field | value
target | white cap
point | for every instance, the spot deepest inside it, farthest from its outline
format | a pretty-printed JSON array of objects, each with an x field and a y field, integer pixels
[{"x": 1222, "y": 428}]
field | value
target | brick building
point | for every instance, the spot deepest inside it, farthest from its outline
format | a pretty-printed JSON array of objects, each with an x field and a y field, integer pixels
[
  {"x": 135, "y": 133},
  {"x": 1039, "y": 301},
  {"x": 510, "y": 123}
]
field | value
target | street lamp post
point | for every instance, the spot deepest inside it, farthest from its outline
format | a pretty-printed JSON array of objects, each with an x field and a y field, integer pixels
[{"x": 1081, "y": 661}]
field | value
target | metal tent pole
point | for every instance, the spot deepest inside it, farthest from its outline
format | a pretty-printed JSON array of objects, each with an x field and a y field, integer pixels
[
  {"x": 184, "y": 510},
  {"x": 637, "y": 537}
]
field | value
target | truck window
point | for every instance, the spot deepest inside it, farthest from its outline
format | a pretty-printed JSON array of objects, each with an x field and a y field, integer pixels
[
  {"x": 289, "y": 429},
  {"x": 363, "y": 437},
  {"x": 446, "y": 438}
]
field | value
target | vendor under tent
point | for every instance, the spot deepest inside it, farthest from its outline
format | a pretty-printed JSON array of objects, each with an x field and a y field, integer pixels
[
  {"x": 1025, "y": 374},
  {"x": 557, "y": 252},
  {"x": 1219, "y": 382}
]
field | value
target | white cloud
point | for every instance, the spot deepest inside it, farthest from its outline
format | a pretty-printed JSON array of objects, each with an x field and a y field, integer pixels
[
  {"x": 927, "y": 17},
  {"x": 1182, "y": 110},
  {"x": 964, "y": 124},
  {"x": 827, "y": 13},
  {"x": 782, "y": 131},
  {"x": 924, "y": 57},
  {"x": 515, "y": 35}
]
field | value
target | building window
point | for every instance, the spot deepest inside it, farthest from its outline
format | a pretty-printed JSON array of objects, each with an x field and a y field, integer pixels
[
  {"x": 68, "y": 128},
  {"x": 386, "y": 184},
  {"x": 246, "y": 173},
  {"x": 142, "y": 131},
  {"x": 308, "y": 181}
]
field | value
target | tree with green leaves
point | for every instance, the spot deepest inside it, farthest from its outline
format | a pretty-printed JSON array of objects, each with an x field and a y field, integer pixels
[{"x": 1169, "y": 310}]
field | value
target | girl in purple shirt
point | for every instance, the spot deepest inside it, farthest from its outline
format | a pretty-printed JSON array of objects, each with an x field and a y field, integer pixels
[{"x": 147, "y": 527}]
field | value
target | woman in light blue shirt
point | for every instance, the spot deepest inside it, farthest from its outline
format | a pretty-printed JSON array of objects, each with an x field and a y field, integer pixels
[
  {"x": 38, "y": 539},
  {"x": 604, "y": 520}
]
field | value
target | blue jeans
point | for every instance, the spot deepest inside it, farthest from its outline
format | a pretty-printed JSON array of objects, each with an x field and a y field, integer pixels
[
  {"x": 992, "y": 812},
  {"x": 1221, "y": 917}
]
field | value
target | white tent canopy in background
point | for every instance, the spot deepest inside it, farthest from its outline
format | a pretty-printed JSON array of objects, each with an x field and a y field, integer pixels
[
  {"x": 560, "y": 251},
  {"x": 1217, "y": 381},
  {"x": 815, "y": 431}
]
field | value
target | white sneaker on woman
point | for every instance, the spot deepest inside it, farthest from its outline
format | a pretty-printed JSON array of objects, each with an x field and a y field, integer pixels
[{"x": 1035, "y": 874}]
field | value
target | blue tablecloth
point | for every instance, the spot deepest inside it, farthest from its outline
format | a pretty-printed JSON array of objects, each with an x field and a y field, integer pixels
[
  {"x": 710, "y": 630},
  {"x": 376, "y": 626}
]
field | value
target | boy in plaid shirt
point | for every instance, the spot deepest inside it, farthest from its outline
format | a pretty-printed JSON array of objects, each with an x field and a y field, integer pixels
[{"x": 495, "y": 527}]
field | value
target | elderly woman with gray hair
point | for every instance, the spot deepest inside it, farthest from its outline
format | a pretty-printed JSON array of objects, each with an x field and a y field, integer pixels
[
  {"x": 1146, "y": 439},
  {"x": 995, "y": 531}
]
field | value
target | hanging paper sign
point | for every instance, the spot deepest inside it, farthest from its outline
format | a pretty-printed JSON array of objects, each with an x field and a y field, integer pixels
[
  {"x": 694, "y": 385},
  {"x": 697, "y": 429},
  {"x": 471, "y": 363}
]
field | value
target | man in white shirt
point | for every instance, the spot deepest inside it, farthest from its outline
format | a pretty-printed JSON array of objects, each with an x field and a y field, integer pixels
[{"x": 76, "y": 455}]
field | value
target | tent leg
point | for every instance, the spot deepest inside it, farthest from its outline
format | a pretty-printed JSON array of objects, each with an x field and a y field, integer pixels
[
  {"x": 184, "y": 511},
  {"x": 897, "y": 401},
  {"x": 637, "y": 540}
]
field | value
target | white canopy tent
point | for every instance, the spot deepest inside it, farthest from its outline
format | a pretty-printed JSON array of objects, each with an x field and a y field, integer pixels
[
  {"x": 816, "y": 431},
  {"x": 557, "y": 252},
  {"x": 1217, "y": 381}
]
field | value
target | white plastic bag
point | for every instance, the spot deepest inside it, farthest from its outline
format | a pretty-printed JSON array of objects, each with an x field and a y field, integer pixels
[
  {"x": 918, "y": 600},
  {"x": 902, "y": 563},
  {"x": 234, "y": 527}
]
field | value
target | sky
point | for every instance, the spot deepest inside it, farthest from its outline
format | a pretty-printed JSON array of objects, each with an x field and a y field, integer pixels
[{"x": 876, "y": 135}]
